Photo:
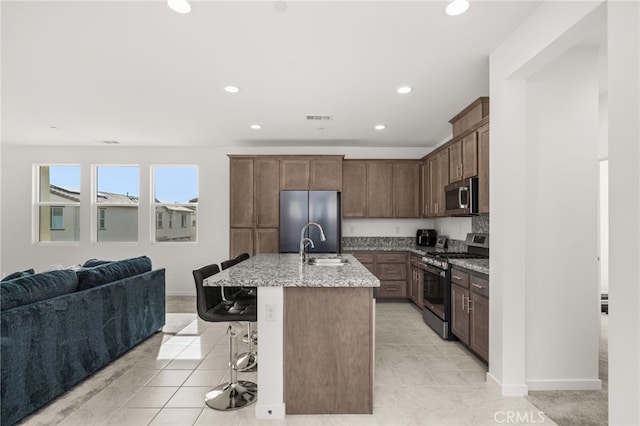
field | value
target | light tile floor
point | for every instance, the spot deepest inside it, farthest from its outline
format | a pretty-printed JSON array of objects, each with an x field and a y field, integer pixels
[{"x": 419, "y": 380}]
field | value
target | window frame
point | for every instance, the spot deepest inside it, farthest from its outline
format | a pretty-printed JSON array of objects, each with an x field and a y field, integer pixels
[
  {"x": 95, "y": 206},
  {"x": 38, "y": 205},
  {"x": 191, "y": 222}
]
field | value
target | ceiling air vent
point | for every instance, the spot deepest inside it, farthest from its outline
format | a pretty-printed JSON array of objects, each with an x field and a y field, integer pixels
[{"x": 319, "y": 117}]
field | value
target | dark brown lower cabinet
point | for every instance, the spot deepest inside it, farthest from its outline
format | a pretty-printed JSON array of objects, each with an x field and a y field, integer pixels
[
  {"x": 328, "y": 350},
  {"x": 470, "y": 311}
]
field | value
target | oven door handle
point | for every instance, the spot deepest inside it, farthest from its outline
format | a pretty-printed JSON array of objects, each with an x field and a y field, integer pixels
[{"x": 433, "y": 270}]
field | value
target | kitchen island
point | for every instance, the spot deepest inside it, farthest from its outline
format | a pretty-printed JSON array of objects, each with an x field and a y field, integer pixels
[{"x": 316, "y": 325}]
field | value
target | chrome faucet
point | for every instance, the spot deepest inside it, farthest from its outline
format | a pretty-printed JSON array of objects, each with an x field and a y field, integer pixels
[{"x": 305, "y": 241}]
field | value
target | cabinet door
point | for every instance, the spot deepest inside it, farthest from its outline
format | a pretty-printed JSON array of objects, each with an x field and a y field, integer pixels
[
  {"x": 391, "y": 271},
  {"x": 267, "y": 240},
  {"x": 294, "y": 174},
  {"x": 424, "y": 193},
  {"x": 240, "y": 241},
  {"x": 479, "y": 326},
  {"x": 267, "y": 193},
  {"x": 483, "y": 169},
  {"x": 326, "y": 174},
  {"x": 241, "y": 192},
  {"x": 354, "y": 189},
  {"x": 470, "y": 155},
  {"x": 379, "y": 189},
  {"x": 459, "y": 314},
  {"x": 406, "y": 189},
  {"x": 413, "y": 285},
  {"x": 455, "y": 161},
  {"x": 443, "y": 174}
]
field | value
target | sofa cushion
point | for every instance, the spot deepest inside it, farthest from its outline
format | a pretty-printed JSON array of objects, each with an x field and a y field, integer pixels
[
  {"x": 36, "y": 287},
  {"x": 113, "y": 271},
  {"x": 19, "y": 274},
  {"x": 95, "y": 262}
]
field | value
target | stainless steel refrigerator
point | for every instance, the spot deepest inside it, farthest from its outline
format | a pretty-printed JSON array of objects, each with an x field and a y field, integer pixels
[{"x": 297, "y": 208}]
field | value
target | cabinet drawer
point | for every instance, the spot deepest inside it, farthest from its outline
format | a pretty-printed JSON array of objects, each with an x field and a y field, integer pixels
[
  {"x": 416, "y": 260},
  {"x": 364, "y": 257},
  {"x": 390, "y": 289},
  {"x": 370, "y": 266},
  {"x": 479, "y": 285},
  {"x": 460, "y": 278},
  {"x": 391, "y": 257},
  {"x": 391, "y": 271}
]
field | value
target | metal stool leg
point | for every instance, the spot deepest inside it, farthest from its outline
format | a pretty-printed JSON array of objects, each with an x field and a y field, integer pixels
[
  {"x": 237, "y": 393},
  {"x": 248, "y": 361}
]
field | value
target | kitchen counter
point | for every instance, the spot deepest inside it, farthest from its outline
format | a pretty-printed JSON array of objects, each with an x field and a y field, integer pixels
[
  {"x": 477, "y": 265},
  {"x": 319, "y": 321},
  {"x": 286, "y": 270}
]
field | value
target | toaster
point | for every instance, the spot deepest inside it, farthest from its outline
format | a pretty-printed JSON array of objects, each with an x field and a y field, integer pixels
[{"x": 426, "y": 237}]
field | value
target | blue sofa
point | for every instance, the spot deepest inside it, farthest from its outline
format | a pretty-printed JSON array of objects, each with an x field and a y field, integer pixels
[{"x": 60, "y": 327}]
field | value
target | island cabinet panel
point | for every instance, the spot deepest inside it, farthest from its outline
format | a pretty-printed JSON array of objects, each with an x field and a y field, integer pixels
[
  {"x": 328, "y": 350},
  {"x": 294, "y": 174},
  {"x": 379, "y": 189},
  {"x": 267, "y": 193},
  {"x": 354, "y": 189},
  {"x": 406, "y": 189},
  {"x": 326, "y": 174},
  {"x": 483, "y": 169},
  {"x": 241, "y": 192}
]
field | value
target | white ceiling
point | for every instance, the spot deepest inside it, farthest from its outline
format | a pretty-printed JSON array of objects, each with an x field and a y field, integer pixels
[{"x": 143, "y": 75}]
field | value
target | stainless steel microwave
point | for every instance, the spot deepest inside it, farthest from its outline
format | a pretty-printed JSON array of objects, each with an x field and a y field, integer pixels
[{"x": 461, "y": 198}]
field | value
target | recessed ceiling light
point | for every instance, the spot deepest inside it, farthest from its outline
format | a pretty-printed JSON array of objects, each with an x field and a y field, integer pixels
[
  {"x": 457, "y": 7},
  {"x": 53, "y": 127},
  {"x": 180, "y": 6},
  {"x": 111, "y": 142},
  {"x": 403, "y": 90},
  {"x": 256, "y": 126},
  {"x": 232, "y": 89},
  {"x": 380, "y": 127}
]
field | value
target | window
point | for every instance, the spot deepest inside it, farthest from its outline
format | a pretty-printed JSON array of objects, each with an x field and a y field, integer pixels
[
  {"x": 117, "y": 196},
  {"x": 57, "y": 217},
  {"x": 57, "y": 203},
  {"x": 176, "y": 193},
  {"x": 158, "y": 220},
  {"x": 102, "y": 213}
]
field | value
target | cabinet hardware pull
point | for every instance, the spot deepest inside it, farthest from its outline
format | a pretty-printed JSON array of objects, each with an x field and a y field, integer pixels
[
  {"x": 457, "y": 277},
  {"x": 463, "y": 304},
  {"x": 468, "y": 304},
  {"x": 478, "y": 286}
]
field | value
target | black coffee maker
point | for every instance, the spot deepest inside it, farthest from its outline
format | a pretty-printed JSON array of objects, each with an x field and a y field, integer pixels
[{"x": 426, "y": 237}]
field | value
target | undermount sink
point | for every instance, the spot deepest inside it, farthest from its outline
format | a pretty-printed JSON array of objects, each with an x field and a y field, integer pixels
[{"x": 328, "y": 261}]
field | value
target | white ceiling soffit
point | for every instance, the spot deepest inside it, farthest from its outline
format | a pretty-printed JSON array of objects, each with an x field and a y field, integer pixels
[{"x": 81, "y": 72}]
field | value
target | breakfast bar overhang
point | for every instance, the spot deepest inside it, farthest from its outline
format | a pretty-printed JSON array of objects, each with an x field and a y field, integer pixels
[{"x": 316, "y": 327}]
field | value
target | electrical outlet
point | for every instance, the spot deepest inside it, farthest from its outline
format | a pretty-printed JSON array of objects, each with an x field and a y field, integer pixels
[
  {"x": 397, "y": 229},
  {"x": 270, "y": 312}
]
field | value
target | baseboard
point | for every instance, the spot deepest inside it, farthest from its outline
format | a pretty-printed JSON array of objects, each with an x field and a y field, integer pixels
[
  {"x": 507, "y": 390},
  {"x": 568, "y": 384},
  {"x": 181, "y": 293}
]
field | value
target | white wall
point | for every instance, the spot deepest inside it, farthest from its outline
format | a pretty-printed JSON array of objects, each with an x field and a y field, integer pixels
[
  {"x": 552, "y": 29},
  {"x": 562, "y": 316},
  {"x": 19, "y": 252},
  {"x": 624, "y": 212}
]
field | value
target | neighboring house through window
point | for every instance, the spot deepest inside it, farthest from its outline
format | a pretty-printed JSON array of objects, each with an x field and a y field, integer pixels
[
  {"x": 57, "y": 213},
  {"x": 176, "y": 194},
  {"x": 158, "y": 220},
  {"x": 117, "y": 197}
]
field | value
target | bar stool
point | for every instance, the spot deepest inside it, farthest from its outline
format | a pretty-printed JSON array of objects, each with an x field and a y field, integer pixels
[
  {"x": 249, "y": 359},
  {"x": 249, "y": 291},
  {"x": 237, "y": 393}
]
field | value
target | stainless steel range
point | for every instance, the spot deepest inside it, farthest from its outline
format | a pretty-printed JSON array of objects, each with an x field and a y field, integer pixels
[{"x": 437, "y": 282}]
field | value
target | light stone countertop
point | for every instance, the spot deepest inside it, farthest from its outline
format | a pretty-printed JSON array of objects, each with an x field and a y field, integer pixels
[
  {"x": 477, "y": 265},
  {"x": 286, "y": 270}
]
